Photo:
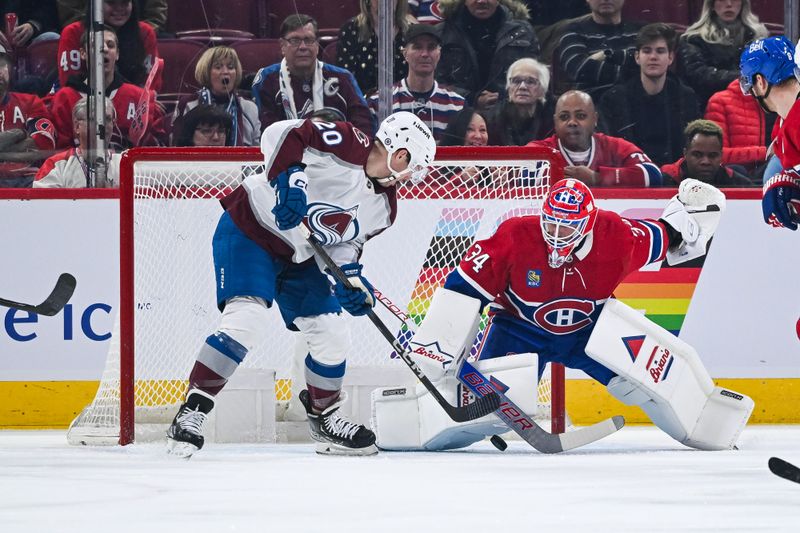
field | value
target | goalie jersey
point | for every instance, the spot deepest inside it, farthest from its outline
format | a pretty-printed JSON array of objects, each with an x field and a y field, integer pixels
[
  {"x": 345, "y": 207},
  {"x": 546, "y": 310}
]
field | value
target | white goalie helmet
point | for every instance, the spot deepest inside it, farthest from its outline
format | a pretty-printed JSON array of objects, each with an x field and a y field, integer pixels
[{"x": 406, "y": 130}]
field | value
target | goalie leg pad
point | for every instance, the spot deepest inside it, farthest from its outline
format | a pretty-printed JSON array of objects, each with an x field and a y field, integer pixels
[
  {"x": 410, "y": 419},
  {"x": 446, "y": 334},
  {"x": 665, "y": 377}
]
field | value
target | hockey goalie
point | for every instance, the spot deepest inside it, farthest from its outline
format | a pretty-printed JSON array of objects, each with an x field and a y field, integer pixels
[{"x": 548, "y": 282}]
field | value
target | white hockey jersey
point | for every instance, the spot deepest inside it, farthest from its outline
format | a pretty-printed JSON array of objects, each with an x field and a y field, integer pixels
[{"x": 345, "y": 207}]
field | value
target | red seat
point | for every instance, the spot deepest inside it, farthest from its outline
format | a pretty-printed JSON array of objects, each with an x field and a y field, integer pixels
[
  {"x": 329, "y": 14},
  {"x": 328, "y": 54},
  {"x": 214, "y": 14},
  {"x": 41, "y": 58},
  {"x": 258, "y": 53},
  {"x": 180, "y": 58},
  {"x": 216, "y": 37}
]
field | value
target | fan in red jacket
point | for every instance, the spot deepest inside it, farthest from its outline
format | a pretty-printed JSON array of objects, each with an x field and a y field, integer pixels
[
  {"x": 139, "y": 50},
  {"x": 124, "y": 96},
  {"x": 595, "y": 158}
]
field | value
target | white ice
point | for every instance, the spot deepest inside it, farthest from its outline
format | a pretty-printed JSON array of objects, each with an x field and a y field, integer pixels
[{"x": 637, "y": 480}]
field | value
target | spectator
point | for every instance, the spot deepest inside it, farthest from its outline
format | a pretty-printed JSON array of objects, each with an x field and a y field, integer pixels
[
  {"x": 205, "y": 125},
  {"x": 419, "y": 93},
  {"x": 652, "y": 109},
  {"x": 69, "y": 169},
  {"x": 480, "y": 40},
  {"x": 37, "y": 20},
  {"x": 219, "y": 74},
  {"x": 594, "y": 158},
  {"x": 137, "y": 45},
  {"x": 527, "y": 113},
  {"x": 357, "y": 48},
  {"x": 153, "y": 12},
  {"x": 300, "y": 84},
  {"x": 466, "y": 128},
  {"x": 598, "y": 51},
  {"x": 26, "y": 131},
  {"x": 709, "y": 50},
  {"x": 123, "y": 95},
  {"x": 702, "y": 159},
  {"x": 746, "y": 129}
]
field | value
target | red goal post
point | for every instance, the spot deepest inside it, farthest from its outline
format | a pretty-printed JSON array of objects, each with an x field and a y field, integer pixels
[{"x": 468, "y": 192}]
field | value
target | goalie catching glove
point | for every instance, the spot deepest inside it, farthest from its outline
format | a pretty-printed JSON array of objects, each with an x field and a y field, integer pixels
[
  {"x": 781, "y": 201},
  {"x": 694, "y": 213},
  {"x": 291, "y": 202}
]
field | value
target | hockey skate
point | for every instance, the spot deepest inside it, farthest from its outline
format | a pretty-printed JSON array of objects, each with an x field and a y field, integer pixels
[
  {"x": 185, "y": 435},
  {"x": 335, "y": 434}
]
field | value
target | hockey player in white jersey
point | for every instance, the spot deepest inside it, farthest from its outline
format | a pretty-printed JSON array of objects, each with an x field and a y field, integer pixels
[{"x": 337, "y": 181}]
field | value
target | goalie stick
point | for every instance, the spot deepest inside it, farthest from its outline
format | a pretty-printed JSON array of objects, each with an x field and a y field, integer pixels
[
  {"x": 58, "y": 298},
  {"x": 512, "y": 415},
  {"x": 784, "y": 469},
  {"x": 481, "y": 407}
]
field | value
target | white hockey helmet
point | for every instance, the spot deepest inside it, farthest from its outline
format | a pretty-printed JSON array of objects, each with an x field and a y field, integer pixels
[{"x": 406, "y": 130}]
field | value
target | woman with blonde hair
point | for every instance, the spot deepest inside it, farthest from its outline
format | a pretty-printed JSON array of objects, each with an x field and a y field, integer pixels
[
  {"x": 357, "y": 48},
  {"x": 219, "y": 74},
  {"x": 709, "y": 50}
]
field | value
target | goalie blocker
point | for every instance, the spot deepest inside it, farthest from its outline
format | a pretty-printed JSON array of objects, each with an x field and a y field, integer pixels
[
  {"x": 409, "y": 418},
  {"x": 665, "y": 377}
]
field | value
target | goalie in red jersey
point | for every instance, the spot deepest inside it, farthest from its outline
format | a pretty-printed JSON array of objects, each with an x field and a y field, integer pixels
[
  {"x": 548, "y": 281},
  {"x": 769, "y": 74}
]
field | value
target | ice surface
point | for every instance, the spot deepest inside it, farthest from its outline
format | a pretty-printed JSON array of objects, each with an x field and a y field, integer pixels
[{"x": 637, "y": 480}]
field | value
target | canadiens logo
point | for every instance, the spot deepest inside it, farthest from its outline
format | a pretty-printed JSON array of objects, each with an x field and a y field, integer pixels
[
  {"x": 564, "y": 316},
  {"x": 331, "y": 224}
]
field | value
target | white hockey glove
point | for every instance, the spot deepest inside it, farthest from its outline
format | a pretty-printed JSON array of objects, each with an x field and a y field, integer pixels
[{"x": 695, "y": 213}]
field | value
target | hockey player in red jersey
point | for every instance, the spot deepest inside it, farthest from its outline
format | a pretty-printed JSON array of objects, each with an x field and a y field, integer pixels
[
  {"x": 768, "y": 73},
  {"x": 546, "y": 280},
  {"x": 339, "y": 182}
]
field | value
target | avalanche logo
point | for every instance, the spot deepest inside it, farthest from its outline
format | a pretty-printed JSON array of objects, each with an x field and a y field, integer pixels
[
  {"x": 659, "y": 363},
  {"x": 565, "y": 316},
  {"x": 331, "y": 224}
]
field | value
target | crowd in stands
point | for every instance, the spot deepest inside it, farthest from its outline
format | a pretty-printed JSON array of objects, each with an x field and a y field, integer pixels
[{"x": 630, "y": 95}]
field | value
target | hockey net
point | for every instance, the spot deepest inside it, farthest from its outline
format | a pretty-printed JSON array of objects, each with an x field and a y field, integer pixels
[{"x": 169, "y": 210}]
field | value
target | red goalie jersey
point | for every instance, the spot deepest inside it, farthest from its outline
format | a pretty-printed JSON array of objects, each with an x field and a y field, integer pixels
[{"x": 510, "y": 272}]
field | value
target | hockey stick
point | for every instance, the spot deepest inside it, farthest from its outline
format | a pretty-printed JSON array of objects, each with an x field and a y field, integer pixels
[
  {"x": 141, "y": 118},
  {"x": 58, "y": 298},
  {"x": 481, "y": 407},
  {"x": 784, "y": 469},
  {"x": 513, "y": 416}
]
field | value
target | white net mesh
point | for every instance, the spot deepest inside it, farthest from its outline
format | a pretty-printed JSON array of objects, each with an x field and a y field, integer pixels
[{"x": 176, "y": 210}]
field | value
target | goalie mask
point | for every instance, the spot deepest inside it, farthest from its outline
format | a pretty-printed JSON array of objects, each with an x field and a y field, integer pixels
[
  {"x": 406, "y": 130},
  {"x": 568, "y": 215}
]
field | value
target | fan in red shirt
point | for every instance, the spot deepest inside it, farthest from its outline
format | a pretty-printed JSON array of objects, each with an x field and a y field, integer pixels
[
  {"x": 595, "y": 158},
  {"x": 26, "y": 129},
  {"x": 139, "y": 48},
  {"x": 124, "y": 96}
]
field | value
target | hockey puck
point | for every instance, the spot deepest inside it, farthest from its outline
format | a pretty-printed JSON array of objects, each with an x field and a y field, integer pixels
[{"x": 498, "y": 442}]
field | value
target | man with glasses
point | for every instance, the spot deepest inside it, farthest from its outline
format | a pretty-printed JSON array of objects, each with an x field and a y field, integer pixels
[
  {"x": 526, "y": 114},
  {"x": 419, "y": 92},
  {"x": 301, "y": 84}
]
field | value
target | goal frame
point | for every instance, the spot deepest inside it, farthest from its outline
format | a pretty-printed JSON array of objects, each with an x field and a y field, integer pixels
[{"x": 233, "y": 154}]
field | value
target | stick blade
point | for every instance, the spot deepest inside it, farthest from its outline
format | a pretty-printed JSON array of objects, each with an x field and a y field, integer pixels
[
  {"x": 62, "y": 292},
  {"x": 595, "y": 432},
  {"x": 477, "y": 409},
  {"x": 784, "y": 469}
]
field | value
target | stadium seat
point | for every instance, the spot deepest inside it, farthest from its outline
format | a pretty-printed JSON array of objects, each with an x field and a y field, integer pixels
[
  {"x": 216, "y": 37},
  {"x": 676, "y": 11},
  {"x": 328, "y": 54},
  {"x": 244, "y": 15},
  {"x": 41, "y": 58},
  {"x": 329, "y": 14},
  {"x": 258, "y": 53},
  {"x": 180, "y": 57}
]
